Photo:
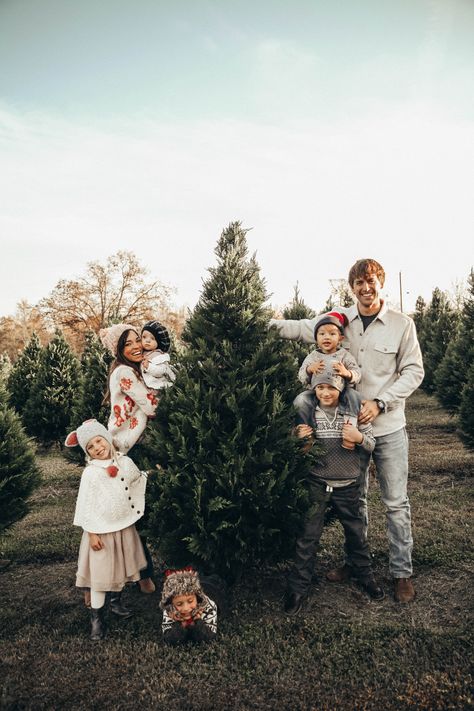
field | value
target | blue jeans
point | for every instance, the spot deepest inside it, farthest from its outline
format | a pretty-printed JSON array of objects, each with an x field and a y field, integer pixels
[{"x": 391, "y": 460}]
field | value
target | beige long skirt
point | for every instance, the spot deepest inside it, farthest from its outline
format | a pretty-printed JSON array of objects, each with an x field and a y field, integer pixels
[{"x": 119, "y": 561}]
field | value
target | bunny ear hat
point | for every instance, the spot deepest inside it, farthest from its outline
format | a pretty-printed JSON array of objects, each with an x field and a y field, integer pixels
[{"x": 84, "y": 433}]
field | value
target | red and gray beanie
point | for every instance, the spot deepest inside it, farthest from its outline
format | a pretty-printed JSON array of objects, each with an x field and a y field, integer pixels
[
  {"x": 333, "y": 317},
  {"x": 184, "y": 581},
  {"x": 159, "y": 333}
]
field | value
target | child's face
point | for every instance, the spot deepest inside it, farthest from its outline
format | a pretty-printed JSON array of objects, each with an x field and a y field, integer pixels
[
  {"x": 149, "y": 342},
  {"x": 328, "y": 337},
  {"x": 98, "y": 448},
  {"x": 327, "y": 394},
  {"x": 185, "y": 604}
]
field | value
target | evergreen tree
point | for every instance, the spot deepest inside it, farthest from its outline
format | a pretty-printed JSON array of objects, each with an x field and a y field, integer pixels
[
  {"x": 23, "y": 374},
  {"x": 48, "y": 410},
  {"x": 452, "y": 373},
  {"x": 95, "y": 362},
  {"x": 418, "y": 318},
  {"x": 439, "y": 327},
  {"x": 19, "y": 475},
  {"x": 297, "y": 309},
  {"x": 230, "y": 491},
  {"x": 466, "y": 409}
]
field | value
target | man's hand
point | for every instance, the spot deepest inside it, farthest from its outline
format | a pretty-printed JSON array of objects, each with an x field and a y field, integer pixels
[
  {"x": 369, "y": 411},
  {"x": 95, "y": 542},
  {"x": 316, "y": 367}
]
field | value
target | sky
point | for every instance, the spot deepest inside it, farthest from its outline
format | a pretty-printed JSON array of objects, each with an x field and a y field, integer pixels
[{"x": 332, "y": 130}]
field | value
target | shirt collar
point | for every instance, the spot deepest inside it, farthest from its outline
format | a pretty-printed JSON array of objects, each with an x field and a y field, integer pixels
[{"x": 353, "y": 312}]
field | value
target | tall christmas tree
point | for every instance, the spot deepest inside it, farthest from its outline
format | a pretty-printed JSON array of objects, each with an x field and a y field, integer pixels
[
  {"x": 23, "y": 374},
  {"x": 439, "y": 326},
  {"x": 48, "y": 410},
  {"x": 19, "y": 475},
  {"x": 452, "y": 373},
  {"x": 230, "y": 492}
]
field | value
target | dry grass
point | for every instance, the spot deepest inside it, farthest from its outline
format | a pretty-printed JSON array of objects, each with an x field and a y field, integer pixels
[{"x": 343, "y": 651}]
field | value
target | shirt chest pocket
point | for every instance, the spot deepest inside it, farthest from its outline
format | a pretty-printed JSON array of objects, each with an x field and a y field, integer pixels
[{"x": 384, "y": 358}]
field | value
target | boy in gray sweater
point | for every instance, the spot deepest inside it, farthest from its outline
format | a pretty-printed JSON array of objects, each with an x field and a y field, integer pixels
[{"x": 333, "y": 482}]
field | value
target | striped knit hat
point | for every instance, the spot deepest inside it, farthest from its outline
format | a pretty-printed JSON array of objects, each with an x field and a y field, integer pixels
[{"x": 159, "y": 333}]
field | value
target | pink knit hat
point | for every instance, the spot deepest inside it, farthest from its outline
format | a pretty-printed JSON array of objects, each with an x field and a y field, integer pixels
[{"x": 110, "y": 336}]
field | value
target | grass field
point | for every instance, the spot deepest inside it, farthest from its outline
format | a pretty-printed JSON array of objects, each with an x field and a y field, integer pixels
[{"x": 343, "y": 651}]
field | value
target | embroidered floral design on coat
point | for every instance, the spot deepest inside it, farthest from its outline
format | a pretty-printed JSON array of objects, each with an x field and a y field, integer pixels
[
  {"x": 119, "y": 420},
  {"x": 125, "y": 383}
]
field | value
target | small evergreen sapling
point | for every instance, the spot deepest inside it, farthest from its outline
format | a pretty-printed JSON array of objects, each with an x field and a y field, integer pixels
[
  {"x": 48, "y": 412},
  {"x": 452, "y": 373},
  {"x": 95, "y": 362},
  {"x": 22, "y": 377},
  {"x": 230, "y": 491}
]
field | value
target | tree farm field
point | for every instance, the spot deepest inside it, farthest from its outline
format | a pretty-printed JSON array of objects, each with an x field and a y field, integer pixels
[{"x": 342, "y": 651}]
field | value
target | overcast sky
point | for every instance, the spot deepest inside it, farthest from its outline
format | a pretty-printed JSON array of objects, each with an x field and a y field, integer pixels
[{"x": 335, "y": 130}]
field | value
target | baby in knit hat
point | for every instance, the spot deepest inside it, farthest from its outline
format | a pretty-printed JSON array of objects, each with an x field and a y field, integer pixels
[
  {"x": 156, "y": 369},
  {"x": 188, "y": 614},
  {"x": 328, "y": 334}
]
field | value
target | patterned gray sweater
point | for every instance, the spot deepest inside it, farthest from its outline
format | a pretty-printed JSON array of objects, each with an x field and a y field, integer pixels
[{"x": 337, "y": 463}]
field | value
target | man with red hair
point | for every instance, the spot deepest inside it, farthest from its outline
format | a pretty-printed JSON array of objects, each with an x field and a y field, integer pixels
[{"x": 384, "y": 343}]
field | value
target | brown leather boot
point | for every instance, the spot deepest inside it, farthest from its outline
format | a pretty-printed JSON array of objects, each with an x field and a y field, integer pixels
[
  {"x": 404, "y": 590},
  {"x": 146, "y": 586},
  {"x": 339, "y": 575}
]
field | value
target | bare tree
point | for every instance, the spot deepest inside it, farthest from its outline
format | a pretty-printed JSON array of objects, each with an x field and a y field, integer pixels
[
  {"x": 16, "y": 331},
  {"x": 107, "y": 293}
]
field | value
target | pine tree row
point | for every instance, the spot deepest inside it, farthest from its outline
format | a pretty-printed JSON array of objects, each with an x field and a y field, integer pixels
[{"x": 446, "y": 336}]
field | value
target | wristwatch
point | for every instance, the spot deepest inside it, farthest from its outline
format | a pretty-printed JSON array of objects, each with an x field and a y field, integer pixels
[{"x": 380, "y": 404}]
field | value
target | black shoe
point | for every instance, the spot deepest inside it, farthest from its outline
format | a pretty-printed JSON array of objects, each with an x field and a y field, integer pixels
[
  {"x": 116, "y": 606},
  {"x": 97, "y": 624},
  {"x": 373, "y": 590},
  {"x": 292, "y": 603}
]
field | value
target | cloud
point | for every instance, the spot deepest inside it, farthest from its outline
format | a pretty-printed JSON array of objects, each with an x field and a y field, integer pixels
[{"x": 319, "y": 195}]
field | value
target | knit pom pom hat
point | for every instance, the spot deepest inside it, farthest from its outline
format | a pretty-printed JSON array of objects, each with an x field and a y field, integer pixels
[
  {"x": 110, "y": 336},
  {"x": 84, "y": 433},
  {"x": 180, "y": 582},
  {"x": 159, "y": 333},
  {"x": 328, "y": 377},
  {"x": 333, "y": 317}
]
